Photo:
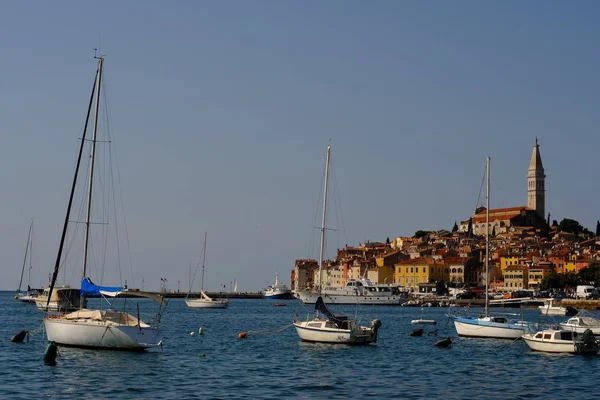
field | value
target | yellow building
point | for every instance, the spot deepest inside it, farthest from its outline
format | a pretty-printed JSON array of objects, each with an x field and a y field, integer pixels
[
  {"x": 570, "y": 266},
  {"x": 507, "y": 261},
  {"x": 410, "y": 273},
  {"x": 516, "y": 277},
  {"x": 537, "y": 273}
]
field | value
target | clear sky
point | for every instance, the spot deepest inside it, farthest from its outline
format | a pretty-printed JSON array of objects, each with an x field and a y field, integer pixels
[{"x": 222, "y": 112}]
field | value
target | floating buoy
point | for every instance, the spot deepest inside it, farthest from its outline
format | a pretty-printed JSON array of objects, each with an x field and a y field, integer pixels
[
  {"x": 200, "y": 332},
  {"x": 416, "y": 332},
  {"x": 202, "y": 355},
  {"x": 50, "y": 354},
  {"x": 242, "y": 335},
  {"x": 443, "y": 342},
  {"x": 19, "y": 337},
  {"x": 279, "y": 305},
  {"x": 192, "y": 333}
]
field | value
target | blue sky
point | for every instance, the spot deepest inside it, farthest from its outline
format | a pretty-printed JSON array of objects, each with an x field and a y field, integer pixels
[{"x": 222, "y": 112}]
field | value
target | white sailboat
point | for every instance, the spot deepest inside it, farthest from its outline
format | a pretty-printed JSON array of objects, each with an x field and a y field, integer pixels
[
  {"x": 325, "y": 327},
  {"x": 205, "y": 301},
  {"x": 487, "y": 326},
  {"x": 30, "y": 295},
  {"x": 97, "y": 328}
]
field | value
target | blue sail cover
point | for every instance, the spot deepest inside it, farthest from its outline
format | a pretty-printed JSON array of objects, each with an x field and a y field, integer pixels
[{"x": 88, "y": 287}]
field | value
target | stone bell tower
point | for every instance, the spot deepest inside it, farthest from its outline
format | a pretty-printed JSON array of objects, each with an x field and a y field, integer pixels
[{"x": 536, "y": 188}]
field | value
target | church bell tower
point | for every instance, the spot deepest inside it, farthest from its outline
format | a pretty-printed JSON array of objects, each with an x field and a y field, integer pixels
[{"x": 536, "y": 189}]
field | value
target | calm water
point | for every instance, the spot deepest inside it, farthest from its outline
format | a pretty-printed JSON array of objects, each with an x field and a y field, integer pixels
[{"x": 219, "y": 365}]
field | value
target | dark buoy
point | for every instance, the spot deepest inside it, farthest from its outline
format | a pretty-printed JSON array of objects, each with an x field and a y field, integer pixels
[
  {"x": 19, "y": 337},
  {"x": 416, "y": 332},
  {"x": 443, "y": 342},
  {"x": 50, "y": 354}
]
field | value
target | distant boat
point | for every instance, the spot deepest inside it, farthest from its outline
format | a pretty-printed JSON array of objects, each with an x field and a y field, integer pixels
[
  {"x": 325, "y": 327},
  {"x": 205, "y": 301},
  {"x": 361, "y": 291},
  {"x": 486, "y": 326},
  {"x": 550, "y": 309},
  {"x": 277, "y": 291},
  {"x": 94, "y": 328},
  {"x": 30, "y": 295}
]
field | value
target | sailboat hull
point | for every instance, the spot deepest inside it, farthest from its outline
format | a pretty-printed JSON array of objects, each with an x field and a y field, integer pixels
[
  {"x": 359, "y": 336},
  {"x": 487, "y": 328},
  {"x": 203, "y": 303},
  {"x": 100, "y": 335}
]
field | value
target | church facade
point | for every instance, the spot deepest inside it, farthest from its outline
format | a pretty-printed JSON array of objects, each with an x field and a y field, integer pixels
[{"x": 532, "y": 215}]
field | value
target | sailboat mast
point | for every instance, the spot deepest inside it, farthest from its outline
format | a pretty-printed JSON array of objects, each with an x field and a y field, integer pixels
[
  {"x": 203, "y": 263},
  {"x": 25, "y": 258},
  {"x": 91, "y": 175},
  {"x": 487, "y": 237},
  {"x": 324, "y": 219}
]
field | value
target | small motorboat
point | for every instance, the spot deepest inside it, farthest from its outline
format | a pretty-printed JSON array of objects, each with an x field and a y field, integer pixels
[
  {"x": 562, "y": 341},
  {"x": 279, "y": 305}
]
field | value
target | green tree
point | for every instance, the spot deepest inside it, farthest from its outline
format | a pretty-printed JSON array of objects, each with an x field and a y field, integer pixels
[
  {"x": 597, "y": 228},
  {"x": 455, "y": 227},
  {"x": 419, "y": 234}
]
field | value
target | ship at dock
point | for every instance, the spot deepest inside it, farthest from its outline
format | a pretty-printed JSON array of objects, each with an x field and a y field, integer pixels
[{"x": 361, "y": 291}]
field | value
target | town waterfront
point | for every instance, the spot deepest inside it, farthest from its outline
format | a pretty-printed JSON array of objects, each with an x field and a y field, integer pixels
[{"x": 277, "y": 365}]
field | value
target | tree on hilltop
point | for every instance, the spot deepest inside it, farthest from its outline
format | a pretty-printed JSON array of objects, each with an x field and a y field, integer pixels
[{"x": 455, "y": 227}]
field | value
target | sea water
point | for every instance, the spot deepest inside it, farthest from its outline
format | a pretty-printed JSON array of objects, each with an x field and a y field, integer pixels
[{"x": 273, "y": 363}]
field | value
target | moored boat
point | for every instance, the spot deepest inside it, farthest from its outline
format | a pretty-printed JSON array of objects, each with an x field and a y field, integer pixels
[{"x": 562, "y": 341}]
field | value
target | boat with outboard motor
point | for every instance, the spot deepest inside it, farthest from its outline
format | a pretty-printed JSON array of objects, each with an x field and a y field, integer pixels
[{"x": 562, "y": 341}]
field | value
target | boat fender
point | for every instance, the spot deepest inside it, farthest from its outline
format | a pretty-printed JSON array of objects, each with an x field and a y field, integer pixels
[
  {"x": 243, "y": 335},
  {"x": 19, "y": 337},
  {"x": 416, "y": 332},
  {"x": 50, "y": 354},
  {"x": 200, "y": 331},
  {"x": 443, "y": 342}
]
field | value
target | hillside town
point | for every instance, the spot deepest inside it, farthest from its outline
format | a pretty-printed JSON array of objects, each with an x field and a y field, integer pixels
[{"x": 525, "y": 248}]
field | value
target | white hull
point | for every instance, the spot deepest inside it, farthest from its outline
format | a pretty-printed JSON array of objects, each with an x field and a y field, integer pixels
[
  {"x": 485, "y": 328},
  {"x": 25, "y": 298},
  {"x": 579, "y": 325},
  {"x": 550, "y": 347},
  {"x": 553, "y": 310},
  {"x": 100, "y": 334},
  {"x": 311, "y": 298},
  {"x": 203, "y": 303},
  {"x": 561, "y": 341},
  {"x": 361, "y": 335}
]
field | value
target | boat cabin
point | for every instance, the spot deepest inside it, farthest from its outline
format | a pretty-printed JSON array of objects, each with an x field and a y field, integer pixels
[
  {"x": 557, "y": 335},
  {"x": 341, "y": 323}
]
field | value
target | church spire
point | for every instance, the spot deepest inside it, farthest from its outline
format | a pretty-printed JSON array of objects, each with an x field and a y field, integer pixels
[{"x": 536, "y": 178}]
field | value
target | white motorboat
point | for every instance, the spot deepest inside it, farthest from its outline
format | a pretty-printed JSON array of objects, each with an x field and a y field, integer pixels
[
  {"x": 552, "y": 309},
  {"x": 204, "y": 301},
  {"x": 581, "y": 323},
  {"x": 63, "y": 299},
  {"x": 277, "y": 291},
  {"x": 355, "y": 292},
  {"x": 325, "y": 327},
  {"x": 487, "y": 326},
  {"x": 107, "y": 329},
  {"x": 562, "y": 341}
]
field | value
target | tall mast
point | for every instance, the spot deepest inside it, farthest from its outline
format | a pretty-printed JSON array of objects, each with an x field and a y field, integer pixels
[
  {"x": 203, "y": 263},
  {"x": 25, "y": 258},
  {"x": 324, "y": 219},
  {"x": 91, "y": 175},
  {"x": 487, "y": 237},
  {"x": 73, "y": 184}
]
